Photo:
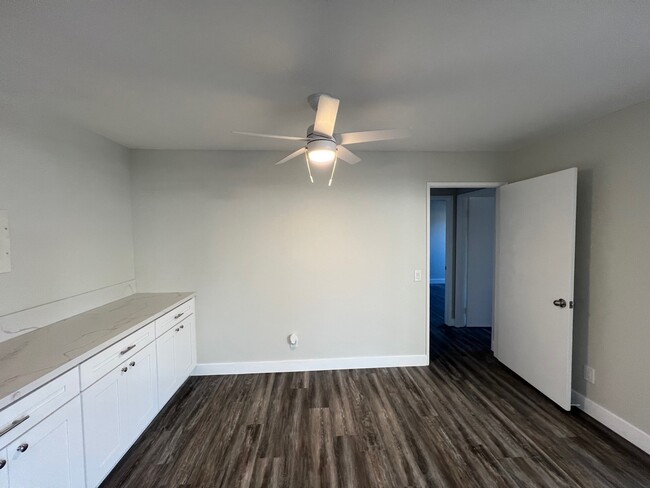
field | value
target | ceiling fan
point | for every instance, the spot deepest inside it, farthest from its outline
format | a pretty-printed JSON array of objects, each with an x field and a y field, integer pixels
[{"x": 322, "y": 145}]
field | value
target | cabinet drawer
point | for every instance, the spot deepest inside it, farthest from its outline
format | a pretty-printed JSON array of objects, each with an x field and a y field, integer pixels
[
  {"x": 170, "y": 319},
  {"x": 111, "y": 357},
  {"x": 18, "y": 418}
]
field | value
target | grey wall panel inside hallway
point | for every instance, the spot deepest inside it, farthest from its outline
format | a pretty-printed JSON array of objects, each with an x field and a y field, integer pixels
[{"x": 480, "y": 261}]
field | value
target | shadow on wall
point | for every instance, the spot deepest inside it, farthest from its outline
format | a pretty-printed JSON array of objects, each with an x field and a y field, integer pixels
[{"x": 582, "y": 277}]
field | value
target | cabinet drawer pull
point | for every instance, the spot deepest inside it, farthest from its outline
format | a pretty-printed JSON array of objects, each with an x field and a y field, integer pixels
[
  {"x": 132, "y": 363},
  {"x": 125, "y": 369},
  {"x": 3, "y": 463},
  {"x": 179, "y": 315},
  {"x": 124, "y": 351},
  {"x": 13, "y": 425},
  {"x": 23, "y": 447}
]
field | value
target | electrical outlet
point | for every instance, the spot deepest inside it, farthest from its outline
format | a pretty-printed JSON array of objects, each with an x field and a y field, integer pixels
[{"x": 590, "y": 374}]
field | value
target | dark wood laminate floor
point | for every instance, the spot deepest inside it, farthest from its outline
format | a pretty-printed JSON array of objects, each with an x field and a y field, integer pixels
[{"x": 464, "y": 421}]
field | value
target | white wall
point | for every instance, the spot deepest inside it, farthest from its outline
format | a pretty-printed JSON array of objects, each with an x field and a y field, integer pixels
[
  {"x": 269, "y": 253},
  {"x": 68, "y": 198},
  {"x": 438, "y": 240},
  {"x": 611, "y": 321}
]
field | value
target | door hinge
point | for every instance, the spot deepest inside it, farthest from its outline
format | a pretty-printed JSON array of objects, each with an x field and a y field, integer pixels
[{"x": 570, "y": 303}]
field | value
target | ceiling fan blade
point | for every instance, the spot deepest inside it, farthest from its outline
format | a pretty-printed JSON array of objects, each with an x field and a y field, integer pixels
[
  {"x": 347, "y": 155},
  {"x": 328, "y": 107},
  {"x": 370, "y": 136},
  {"x": 294, "y": 154},
  {"x": 271, "y": 136}
]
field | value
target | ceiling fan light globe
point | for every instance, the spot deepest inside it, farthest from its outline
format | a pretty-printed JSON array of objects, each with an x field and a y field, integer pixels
[
  {"x": 321, "y": 152},
  {"x": 321, "y": 156}
]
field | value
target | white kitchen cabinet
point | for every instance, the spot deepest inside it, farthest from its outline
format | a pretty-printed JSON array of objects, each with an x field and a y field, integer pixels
[
  {"x": 113, "y": 356},
  {"x": 24, "y": 414},
  {"x": 72, "y": 430},
  {"x": 104, "y": 420},
  {"x": 176, "y": 358},
  {"x": 185, "y": 347},
  {"x": 116, "y": 409},
  {"x": 166, "y": 367},
  {"x": 50, "y": 454},
  {"x": 141, "y": 391},
  {"x": 4, "y": 470}
]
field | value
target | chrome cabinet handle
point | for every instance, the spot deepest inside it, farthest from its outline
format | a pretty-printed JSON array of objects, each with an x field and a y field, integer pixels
[
  {"x": 3, "y": 463},
  {"x": 23, "y": 447},
  {"x": 125, "y": 369},
  {"x": 13, "y": 425},
  {"x": 124, "y": 351},
  {"x": 179, "y": 315},
  {"x": 132, "y": 363}
]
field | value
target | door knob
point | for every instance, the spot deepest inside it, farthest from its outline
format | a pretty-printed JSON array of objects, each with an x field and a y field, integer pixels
[
  {"x": 23, "y": 447},
  {"x": 3, "y": 463},
  {"x": 560, "y": 302}
]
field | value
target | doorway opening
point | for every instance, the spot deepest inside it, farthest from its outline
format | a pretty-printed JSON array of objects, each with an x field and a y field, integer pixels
[
  {"x": 461, "y": 255},
  {"x": 532, "y": 264}
]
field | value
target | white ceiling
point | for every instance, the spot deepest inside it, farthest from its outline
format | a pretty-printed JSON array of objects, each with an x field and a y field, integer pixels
[{"x": 460, "y": 74}]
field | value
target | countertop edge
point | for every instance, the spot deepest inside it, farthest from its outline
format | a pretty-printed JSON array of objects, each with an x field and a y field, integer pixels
[{"x": 17, "y": 395}]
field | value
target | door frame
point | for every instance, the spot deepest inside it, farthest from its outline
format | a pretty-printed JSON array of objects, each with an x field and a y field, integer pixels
[{"x": 449, "y": 185}]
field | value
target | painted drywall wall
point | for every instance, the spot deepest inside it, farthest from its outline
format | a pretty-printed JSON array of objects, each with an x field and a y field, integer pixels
[
  {"x": 475, "y": 232},
  {"x": 612, "y": 281},
  {"x": 438, "y": 241},
  {"x": 67, "y": 194},
  {"x": 270, "y": 253},
  {"x": 481, "y": 230}
]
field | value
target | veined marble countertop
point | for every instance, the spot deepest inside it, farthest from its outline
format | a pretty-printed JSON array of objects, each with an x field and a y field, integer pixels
[{"x": 31, "y": 360}]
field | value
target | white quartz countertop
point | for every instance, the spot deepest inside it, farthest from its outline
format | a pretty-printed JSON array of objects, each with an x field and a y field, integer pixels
[{"x": 31, "y": 360}]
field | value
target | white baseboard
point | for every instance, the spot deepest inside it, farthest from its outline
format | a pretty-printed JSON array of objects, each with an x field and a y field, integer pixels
[
  {"x": 437, "y": 281},
  {"x": 612, "y": 421},
  {"x": 18, "y": 323},
  {"x": 206, "y": 369}
]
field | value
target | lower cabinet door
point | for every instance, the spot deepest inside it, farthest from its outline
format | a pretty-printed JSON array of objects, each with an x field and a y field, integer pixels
[
  {"x": 142, "y": 391},
  {"x": 4, "y": 469},
  {"x": 50, "y": 454},
  {"x": 183, "y": 352},
  {"x": 104, "y": 420},
  {"x": 166, "y": 369}
]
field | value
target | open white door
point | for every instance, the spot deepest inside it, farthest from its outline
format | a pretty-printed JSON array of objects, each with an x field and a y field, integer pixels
[{"x": 535, "y": 255}]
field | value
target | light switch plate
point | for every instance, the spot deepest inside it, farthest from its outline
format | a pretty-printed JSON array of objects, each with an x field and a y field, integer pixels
[
  {"x": 590, "y": 374},
  {"x": 5, "y": 255},
  {"x": 417, "y": 275}
]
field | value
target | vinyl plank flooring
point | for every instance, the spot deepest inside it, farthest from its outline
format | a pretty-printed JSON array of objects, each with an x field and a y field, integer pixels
[{"x": 464, "y": 421}]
